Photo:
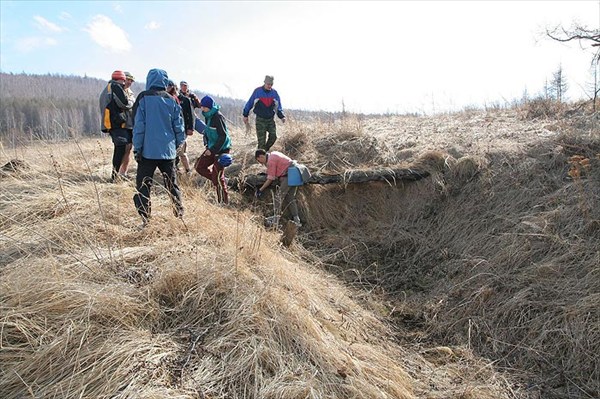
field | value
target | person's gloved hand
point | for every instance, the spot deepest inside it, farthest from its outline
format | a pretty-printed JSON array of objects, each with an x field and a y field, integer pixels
[
  {"x": 137, "y": 156},
  {"x": 258, "y": 194}
]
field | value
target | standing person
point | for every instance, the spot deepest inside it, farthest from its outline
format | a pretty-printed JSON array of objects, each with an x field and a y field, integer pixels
[
  {"x": 188, "y": 121},
  {"x": 215, "y": 157},
  {"x": 157, "y": 134},
  {"x": 114, "y": 106},
  {"x": 266, "y": 104},
  {"x": 277, "y": 169},
  {"x": 129, "y": 79},
  {"x": 172, "y": 90},
  {"x": 185, "y": 90},
  {"x": 187, "y": 109}
]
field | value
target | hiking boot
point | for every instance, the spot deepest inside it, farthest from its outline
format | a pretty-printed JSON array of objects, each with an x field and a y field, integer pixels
[
  {"x": 178, "y": 212},
  {"x": 145, "y": 223}
]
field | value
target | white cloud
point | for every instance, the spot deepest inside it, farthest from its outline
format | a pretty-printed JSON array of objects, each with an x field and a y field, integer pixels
[
  {"x": 27, "y": 44},
  {"x": 118, "y": 8},
  {"x": 152, "y": 25},
  {"x": 46, "y": 26},
  {"x": 65, "y": 16},
  {"x": 107, "y": 35}
]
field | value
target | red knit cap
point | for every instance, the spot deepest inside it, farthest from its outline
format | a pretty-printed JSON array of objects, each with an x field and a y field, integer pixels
[{"x": 118, "y": 75}]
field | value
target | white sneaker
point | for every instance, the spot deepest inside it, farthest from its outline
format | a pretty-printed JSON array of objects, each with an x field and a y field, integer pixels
[{"x": 297, "y": 221}]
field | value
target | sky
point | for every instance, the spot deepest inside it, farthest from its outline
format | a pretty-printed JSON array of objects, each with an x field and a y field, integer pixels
[{"x": 359, "y": 56}]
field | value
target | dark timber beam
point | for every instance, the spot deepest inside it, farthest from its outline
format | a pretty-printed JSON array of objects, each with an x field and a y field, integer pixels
[{"x": 391, "y": 176}]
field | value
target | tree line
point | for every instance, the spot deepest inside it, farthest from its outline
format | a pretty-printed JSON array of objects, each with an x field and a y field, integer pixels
[{"x": 58, "y": 107}]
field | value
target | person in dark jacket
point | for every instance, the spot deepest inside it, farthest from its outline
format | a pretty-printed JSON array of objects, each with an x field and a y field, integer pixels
[
  {"x": 185, "y": 90},
  {"x": 188, "y": 119},
  {"x": 130, "y": 79},
  {"x": 114, "y": 108},
  {"x": 158, "y": 133},
  {"x": 266, "y": 103},
  {"x": 217, "y": 143}
]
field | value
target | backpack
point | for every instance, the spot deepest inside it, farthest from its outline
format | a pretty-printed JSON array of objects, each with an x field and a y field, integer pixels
[{"x": 298, "y": 174}]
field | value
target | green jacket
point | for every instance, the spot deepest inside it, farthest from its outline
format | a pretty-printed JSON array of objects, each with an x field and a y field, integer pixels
[{"x": 216, "y": 132}]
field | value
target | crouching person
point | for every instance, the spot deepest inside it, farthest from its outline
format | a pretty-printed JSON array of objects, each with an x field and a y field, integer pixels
[
  {"x": 157, "y": 134},
  {"x": 213, "y": 160},
  {"x": 277, "y": 169}
]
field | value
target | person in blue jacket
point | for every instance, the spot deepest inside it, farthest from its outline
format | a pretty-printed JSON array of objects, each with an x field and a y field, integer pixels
[
  {"x": 266, "y": 103},
  {"x": 217, "y": 141},
  {"x": 158, "y": 134}
]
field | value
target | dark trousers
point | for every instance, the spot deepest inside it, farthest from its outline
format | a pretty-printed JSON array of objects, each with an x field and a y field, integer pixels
[
  {"x": 208, "y": 167},
  {"x": 144, "y": 180},
  {"x": 264, "y": 127},
  {"x": 286, "y": 197},
  {"x": 120, "y": 138},
  {"x": 117, "y": 159}
]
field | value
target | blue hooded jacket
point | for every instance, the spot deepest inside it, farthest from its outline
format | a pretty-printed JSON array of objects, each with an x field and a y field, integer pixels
[{"x": 158, "y": 130}]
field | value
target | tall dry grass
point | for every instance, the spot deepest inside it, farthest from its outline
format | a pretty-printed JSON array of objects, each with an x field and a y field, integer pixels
[
  {"x": 498, "y": 250},
  {"x": 211, "y": 307}
]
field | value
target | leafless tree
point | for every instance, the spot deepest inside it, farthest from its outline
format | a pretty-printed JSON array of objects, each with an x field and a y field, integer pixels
[
  {"x": 581, "y": 33},
  {"x": 585, "y": 36},
  {"x": 558, "y": 85}
]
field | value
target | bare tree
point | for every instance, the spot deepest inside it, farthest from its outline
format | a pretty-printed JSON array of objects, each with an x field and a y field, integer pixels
[
  {"x": 580, "y": 33},
  {"x": 558, "y": 85},
  {"x": 585, "y": 36},
  {"x": 594, "y": 85}
]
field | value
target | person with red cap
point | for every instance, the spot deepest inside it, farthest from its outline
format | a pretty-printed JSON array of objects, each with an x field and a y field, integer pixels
[
  {"x": 114, "y": 108},
  {"x": 130, "y": 79}
]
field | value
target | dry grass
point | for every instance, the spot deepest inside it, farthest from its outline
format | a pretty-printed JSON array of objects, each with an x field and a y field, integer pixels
[
  {"x": 211, "y": 308},
  {"x": 497, "y": 251},
  {"x": 494, "y": 255}
]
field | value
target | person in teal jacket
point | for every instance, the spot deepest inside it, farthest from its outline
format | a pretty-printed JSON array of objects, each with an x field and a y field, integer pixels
[
  {"x": 158, "y": 133},
  {"x": 218, "y": 143}
]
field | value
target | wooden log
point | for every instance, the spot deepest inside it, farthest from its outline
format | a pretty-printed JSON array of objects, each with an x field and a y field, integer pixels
[{"x": 391, "y": 176}]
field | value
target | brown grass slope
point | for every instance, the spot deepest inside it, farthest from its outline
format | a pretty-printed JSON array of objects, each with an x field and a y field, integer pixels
[
  {"x": 212, "y": 307},
  {"x": 499, "y": 250}
]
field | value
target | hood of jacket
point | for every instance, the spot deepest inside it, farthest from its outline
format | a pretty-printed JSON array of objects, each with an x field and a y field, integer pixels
[
  {"x": 157, "y": 79},
  {"x": 211, "y": 111}
]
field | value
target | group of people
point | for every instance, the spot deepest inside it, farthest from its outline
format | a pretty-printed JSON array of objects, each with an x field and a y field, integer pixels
[{"x": 156, "y": 123}]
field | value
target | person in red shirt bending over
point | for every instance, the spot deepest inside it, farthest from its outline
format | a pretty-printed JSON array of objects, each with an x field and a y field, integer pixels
[{"x": 277, "y": 169}]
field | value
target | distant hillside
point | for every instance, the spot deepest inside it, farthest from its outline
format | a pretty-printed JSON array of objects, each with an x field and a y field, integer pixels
[{"x": 58, "y": 106}]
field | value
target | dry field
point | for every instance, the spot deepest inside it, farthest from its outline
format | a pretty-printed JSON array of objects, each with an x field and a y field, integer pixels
[{"x": 480, "y": 281}]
